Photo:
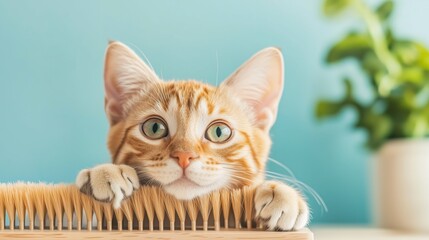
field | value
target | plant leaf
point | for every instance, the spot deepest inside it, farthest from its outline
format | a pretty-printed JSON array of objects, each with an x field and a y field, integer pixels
[
  {"x": 334, "y": 7},
  {"x": 406, "y": 51},
  {"x": 384, "y": 10},
  {"x": 327, "y": 108},
  {"x": 353, "y": 45},
  {"x": 417, "y": 125},
  {"x": 412, "y": 74},
  {"x": 372, "y": 65},
  {"x": 378, "y": 127},
  {"x": 400, "y": 104},
  {"x": 348, "y": 88}
]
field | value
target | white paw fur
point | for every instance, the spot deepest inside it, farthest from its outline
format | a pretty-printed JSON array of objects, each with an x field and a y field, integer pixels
[
  {"x": 108, "y": 182},
  {"x": 280, "y": 207}
]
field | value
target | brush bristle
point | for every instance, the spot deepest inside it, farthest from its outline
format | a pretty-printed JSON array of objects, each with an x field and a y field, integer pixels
[
  {"x": 108, "y": 216},
  {"x": 225, "y": 200},
  {"x": 181, "y": 213},
  {"x": 29, "y": 205},
  {"x": 39, "y": 202},
  {"x": 119, "y": 218},
  {"x": 98, "y": 211},
  {"x": 170, "y": 209},
  {"x": 77, "y": 205},
  {"x": 18, "y": 192},
  {"x": 158, "y": 203},
  {"x": 248, "y": 194},
  {"x": 87, "y": 209},
  {"x": 9, "y": 203},
  {"x": 215, "y": 201},
  {"x": 26, "y": 206},
  {"x": 236, "y": 203},
  {"x": 57, "y": 202},
  {"x": 205, "y": 208},
  {"x": 127, "y": 209},
  {"x": 67, "y": 204},
  {"x": 138, "y": 207},
  {"x": 192, "y": 209},
  {"x": 50, "y": 211},
  {"x": 145, "y": 195}
]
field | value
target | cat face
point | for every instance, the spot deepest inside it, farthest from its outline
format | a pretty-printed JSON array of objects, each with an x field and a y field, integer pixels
[{"x": 189, "y": 137}]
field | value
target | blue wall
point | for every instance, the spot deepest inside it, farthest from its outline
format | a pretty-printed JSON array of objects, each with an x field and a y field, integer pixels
[{"x": 51, "y": 94}]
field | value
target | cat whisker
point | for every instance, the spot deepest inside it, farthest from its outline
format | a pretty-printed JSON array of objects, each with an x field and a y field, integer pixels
[
  {"x": 235, "y": 177},
  {"x": 303, "y": 187},
  {"x": 288, "y": 170},
  {"x": 291, "y": 180},
  {"x": 294, "y": 181}
]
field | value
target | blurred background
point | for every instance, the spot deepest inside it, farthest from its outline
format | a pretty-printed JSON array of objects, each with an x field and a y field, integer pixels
[{"x": 51, "y": 89}]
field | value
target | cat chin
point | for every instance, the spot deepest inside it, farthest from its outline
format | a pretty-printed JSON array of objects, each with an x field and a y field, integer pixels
[{"x": 184, "y": 189}]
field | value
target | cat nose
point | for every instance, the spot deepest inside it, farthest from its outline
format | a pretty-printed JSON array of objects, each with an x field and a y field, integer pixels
[{"x": 184, "y": 157}]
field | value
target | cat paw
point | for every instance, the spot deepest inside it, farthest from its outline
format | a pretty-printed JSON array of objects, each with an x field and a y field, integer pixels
[
  {"x": 108, "y": 182},
  {"x": 280, "y": 207}
]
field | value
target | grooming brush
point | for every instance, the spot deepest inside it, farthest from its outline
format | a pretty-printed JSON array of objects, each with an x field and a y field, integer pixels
[{"x": 34, "y": 210}]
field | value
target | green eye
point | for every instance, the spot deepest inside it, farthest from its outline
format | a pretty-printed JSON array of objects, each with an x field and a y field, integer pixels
[
  {"x": 154, "y": 128},
  {"x": 218, "y": 132}
]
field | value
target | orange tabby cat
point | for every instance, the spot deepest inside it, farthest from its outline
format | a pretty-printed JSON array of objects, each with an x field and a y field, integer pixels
[{"x": 192, "y": 138}]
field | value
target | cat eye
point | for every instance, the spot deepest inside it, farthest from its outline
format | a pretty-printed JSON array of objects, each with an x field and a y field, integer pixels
[
  {"x": 218, "y": 132},
  {"x": 154, "y": 128}
]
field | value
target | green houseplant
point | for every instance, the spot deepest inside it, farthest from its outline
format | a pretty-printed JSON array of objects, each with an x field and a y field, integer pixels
[
  {"x": 398, "y": 72},
  {"x": 396, "y": 119}
]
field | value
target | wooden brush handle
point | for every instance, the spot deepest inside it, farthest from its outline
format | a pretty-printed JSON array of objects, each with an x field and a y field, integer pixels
[{"x": 303, "y": 234}]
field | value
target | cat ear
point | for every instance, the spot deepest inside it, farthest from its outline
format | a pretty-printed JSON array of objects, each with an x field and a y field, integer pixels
[
  {"x": 125, "y": 74},
  {"x": 259, "y": 83}
]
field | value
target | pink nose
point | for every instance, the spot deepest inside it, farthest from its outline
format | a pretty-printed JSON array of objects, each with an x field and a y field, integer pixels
[{"x": 184, "y": 157}]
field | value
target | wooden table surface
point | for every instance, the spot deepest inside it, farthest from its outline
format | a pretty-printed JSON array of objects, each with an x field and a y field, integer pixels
[
  {"x": 326, "y": 232},
  {"x": 329, "y": 232},
  {"x": 242, "y": 234}
]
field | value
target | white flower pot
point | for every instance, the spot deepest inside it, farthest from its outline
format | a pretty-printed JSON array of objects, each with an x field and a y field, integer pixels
[{"x": 401, "y": 185}]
